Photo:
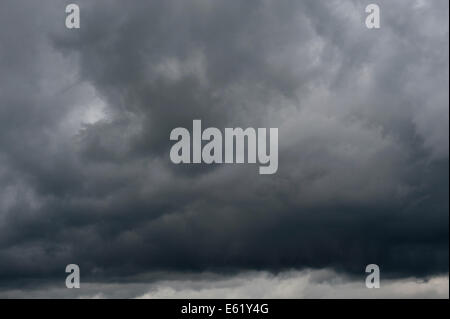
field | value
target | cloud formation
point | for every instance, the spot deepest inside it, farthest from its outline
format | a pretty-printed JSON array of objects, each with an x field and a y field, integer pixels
[
  {"x": 255, "y": 285},
  {"x": 363, "y": 118}
]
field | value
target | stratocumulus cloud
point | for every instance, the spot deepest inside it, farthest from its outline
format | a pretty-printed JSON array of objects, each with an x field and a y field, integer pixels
[
  {"x": 86, "y": 115},
  {"x": 259, "y": 285}
]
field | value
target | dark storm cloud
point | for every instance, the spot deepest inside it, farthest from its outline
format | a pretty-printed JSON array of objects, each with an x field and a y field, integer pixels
[{"x": 86, "y": 114}]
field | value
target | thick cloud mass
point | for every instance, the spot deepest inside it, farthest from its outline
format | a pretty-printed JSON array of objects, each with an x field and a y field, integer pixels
[
  {"x": 260, "y": 285},
  {"x": 363, "y": 118}
]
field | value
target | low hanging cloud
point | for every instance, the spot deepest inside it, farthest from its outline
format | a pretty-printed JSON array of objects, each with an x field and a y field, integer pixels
[
  {"x": 85, "y": 173},
  {"x": 307, "y": 283}
]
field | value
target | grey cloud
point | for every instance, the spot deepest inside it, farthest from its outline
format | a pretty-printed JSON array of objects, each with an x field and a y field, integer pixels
[
  {"x": 261, "y": 285},
  {"x": 363, "y": 116}
]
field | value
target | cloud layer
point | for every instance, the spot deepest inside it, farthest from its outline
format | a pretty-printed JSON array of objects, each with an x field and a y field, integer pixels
[
  {"x": 363, "y": 118},
  {"x": 255, "y": 285}
]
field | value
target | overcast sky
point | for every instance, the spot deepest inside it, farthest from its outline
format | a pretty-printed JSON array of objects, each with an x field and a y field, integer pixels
[{"x": 86, "y": 177}]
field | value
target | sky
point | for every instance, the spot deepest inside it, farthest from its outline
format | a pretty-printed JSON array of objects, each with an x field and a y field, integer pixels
[{"x": 86, "y": 177}]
